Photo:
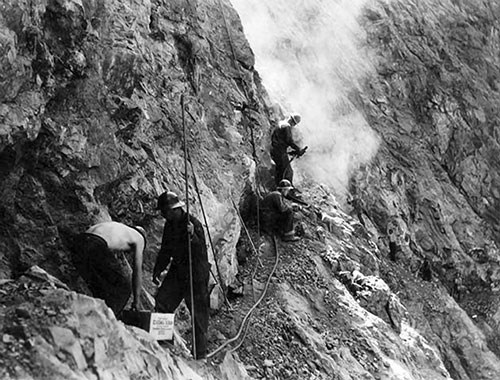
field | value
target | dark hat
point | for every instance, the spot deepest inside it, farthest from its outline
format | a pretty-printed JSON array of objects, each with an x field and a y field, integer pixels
[
  {"x": 295, "y": 117},
  {"x": 170, "y": 200}
]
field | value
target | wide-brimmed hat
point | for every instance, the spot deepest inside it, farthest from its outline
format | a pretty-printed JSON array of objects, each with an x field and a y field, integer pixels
[{"x": 170, "y": 200}]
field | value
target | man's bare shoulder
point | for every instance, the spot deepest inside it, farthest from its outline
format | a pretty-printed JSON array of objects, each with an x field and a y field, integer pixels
[
  {"x": 118, "y": 235},
  {"x": 108, "y": 228}
]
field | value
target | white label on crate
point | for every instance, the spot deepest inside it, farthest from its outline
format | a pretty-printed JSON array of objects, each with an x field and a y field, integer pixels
[{"x": 161, "y": 326}]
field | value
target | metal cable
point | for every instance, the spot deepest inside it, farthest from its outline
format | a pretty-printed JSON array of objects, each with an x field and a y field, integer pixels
[
  {"x": 248, "y": 233},
  {"x": 242, "y": 326}
]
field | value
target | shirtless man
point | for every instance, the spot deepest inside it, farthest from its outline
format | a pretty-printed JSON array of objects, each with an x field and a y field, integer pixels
[{"x": 99, "y": 257}]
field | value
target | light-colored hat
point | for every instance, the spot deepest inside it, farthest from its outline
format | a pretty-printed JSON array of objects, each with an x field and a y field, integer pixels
[
  {"x": 284, "y": 185},
  {"x": 170, "y": 200}
]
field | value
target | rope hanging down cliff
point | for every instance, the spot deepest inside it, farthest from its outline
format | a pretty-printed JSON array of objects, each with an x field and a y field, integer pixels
[
  {"x": 217, "y": 278},
  {"x": 187, "y": 225},
  {"x": 221, "y": 283},
  {"x": 247, "y": 97}
]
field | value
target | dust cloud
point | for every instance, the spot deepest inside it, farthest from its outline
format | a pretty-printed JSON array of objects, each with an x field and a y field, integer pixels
[{"x": 309, "y": 55}]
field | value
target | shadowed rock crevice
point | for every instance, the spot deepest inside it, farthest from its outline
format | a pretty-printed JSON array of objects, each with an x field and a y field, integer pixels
[{"x": 186, "y": 53}]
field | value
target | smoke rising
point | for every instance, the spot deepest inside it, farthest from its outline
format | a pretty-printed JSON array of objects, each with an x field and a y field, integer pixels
[{"x": 309, "y": 56}]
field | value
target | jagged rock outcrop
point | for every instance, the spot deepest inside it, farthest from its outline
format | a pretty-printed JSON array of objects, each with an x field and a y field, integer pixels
[
  {"x": 433, "y": 102},
  {"x": 91, "y": 129},
  {"x": 49, "y": 332}
]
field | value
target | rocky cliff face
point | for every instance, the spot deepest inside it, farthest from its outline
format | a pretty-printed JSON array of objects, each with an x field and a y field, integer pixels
[
  {"x": 92, "y": 127},
  {"x": 434, "y": 104},
  {"x": 406, "y": 287}
]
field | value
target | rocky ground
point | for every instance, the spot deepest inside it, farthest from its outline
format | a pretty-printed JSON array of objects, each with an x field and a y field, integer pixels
[
  {"x": 305, "y": 326},
  {"x": 335, "y": 308}
]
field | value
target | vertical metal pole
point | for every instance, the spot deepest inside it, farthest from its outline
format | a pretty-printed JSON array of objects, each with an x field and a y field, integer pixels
[
  {"x": 221, "y": 283},
  {"x": 187, "y": 225}
]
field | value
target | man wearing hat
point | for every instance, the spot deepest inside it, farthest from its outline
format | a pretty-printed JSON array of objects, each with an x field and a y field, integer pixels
[
  {"x": 281, "y": 139},
  {"x": 276, "y": 216},
  {"x": 99, "y": 256},
  {"x": 175, "y": 251}
]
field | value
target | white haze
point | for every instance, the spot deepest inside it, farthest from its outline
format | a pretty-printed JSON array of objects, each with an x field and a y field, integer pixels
[{"x": 308, "y": 55}]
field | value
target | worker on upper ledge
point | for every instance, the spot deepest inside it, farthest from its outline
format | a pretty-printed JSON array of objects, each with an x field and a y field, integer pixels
[{"x": 281, "y": 139}]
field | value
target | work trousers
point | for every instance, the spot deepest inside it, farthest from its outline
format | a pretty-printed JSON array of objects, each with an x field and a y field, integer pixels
[
  {"x": 107, "y": 273},
  {"x": 283, "y": 169},
  {"x": 173, "y": 290},
  {"x": 276, "y": 222}
]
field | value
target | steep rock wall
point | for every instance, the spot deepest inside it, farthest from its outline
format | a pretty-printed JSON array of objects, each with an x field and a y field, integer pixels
[
  {"x": 431, "y": 191},
  {"x": 91, "y": 129},
  {"x": 91, "y": 122}
]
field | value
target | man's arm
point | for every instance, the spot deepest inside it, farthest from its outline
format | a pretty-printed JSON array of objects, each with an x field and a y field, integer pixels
[
  {"x": 163, "y": 257},
  {"x": 281, "y": 204},
  {"x": 289, "y": 139},
  {"x": 162, "y": 261}
]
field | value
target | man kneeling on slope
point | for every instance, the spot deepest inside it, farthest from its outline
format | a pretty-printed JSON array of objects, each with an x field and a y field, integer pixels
[
  {"x": 276, "y": 216},
  {"x": 99, "y": 257}
]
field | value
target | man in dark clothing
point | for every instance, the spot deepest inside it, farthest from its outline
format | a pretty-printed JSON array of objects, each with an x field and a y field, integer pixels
[
  {"x": 275, "y": 215},
  {"x": 99, "y": 257},
  {"x": 281, "y": 139},
  {"x": 175, "y": 251}
]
